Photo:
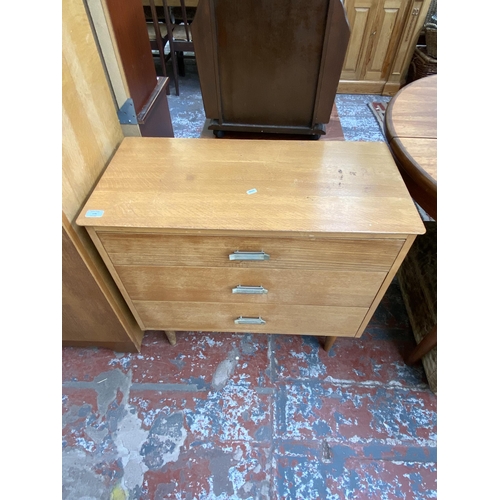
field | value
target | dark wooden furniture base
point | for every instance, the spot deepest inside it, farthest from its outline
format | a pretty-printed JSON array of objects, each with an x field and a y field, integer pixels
[{"x": 316, "y": 131}]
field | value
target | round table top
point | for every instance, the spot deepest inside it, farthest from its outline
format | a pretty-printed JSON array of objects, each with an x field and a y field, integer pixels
[{"x": 411, "y": 130}]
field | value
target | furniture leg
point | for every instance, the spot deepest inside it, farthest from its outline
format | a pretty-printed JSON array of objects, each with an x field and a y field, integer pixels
[
  {"x": 328, "y": 343},
  {"x": 182, "y": 67},
  {"x": 171, "y": 337},
  {"x": 425, "y": 345},
  {"x": 176, "y": 70}
]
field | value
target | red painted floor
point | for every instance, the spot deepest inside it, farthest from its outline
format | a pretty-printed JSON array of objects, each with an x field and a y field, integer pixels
[{"x": 235, "y": 416}]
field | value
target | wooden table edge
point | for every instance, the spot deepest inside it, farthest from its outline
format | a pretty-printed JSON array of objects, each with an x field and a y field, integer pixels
[
  {"x": 407, "y": 160},
  {"x": 388, "y": 121}
]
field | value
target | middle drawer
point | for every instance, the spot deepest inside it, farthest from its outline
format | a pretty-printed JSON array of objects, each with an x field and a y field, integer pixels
[{"x": 271, "y": 286}]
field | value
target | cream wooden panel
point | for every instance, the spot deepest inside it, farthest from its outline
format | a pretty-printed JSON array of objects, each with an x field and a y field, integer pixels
[
  {"x": 417, "y": 11},
  {"x": 388, "y": 30},
  {"x": 90, "y": 135},
  {"x": 109, "y": 50},
  {"x": 108, "y": 47},
  {"x": 383, "y": 37},
  {"x": 360, "y": 14},
  {"x": 91, "y": 130}
]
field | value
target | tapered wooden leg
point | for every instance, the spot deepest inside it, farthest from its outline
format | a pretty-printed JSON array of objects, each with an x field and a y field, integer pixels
[
  {"x": 328, "y": 343},
  {"x": 171, "y": 337},
  {"x": 425, "y": 345}
]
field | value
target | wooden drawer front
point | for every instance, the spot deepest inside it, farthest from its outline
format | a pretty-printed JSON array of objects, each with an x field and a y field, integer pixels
[
  {"x": 212, "y": 251},
  {"x": 287, "y": 319},
  {"x": 283, "y": 286}
]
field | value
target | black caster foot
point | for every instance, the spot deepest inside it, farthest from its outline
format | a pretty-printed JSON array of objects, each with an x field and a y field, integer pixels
[
  {"x": 315, "y": 137},
  {"x": 219, "y": 134}
]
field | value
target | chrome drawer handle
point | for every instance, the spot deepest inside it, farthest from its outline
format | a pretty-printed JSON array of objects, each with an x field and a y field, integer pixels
[
  {"x": 237, "y": 255},
  {"x": 249, "y": 321},
  {"x": 249, "y": 289}
]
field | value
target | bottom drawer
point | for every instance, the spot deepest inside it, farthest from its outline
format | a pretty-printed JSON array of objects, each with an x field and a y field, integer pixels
[{"x": 210, "y": 316}]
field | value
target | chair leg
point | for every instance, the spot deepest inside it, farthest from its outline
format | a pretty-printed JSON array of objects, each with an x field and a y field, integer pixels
[
  {"x": 154, "y": 46},
  {"x": 182, "y": 67},
  {"x": 176, "y": 70},
  {"x": 162, "y": 59}
]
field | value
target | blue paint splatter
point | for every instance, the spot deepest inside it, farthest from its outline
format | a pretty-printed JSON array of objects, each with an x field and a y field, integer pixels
[
  {"x": 200, "y": 383},
  {"x": 264, "y": 433},
  {"x": 321, "y": 429},
  {"x": 178, "y": 361},
  {"x": 400, "y": 414},
  {"x": 381, "y": 451},
  {"x": 340, "y": 454}
]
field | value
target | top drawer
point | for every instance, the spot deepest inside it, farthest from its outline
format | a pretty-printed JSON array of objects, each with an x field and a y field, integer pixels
[{"x": 213, "y": 251}]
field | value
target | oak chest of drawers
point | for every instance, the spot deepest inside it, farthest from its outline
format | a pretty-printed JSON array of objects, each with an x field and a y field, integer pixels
[{"x": 290, "y": 237}]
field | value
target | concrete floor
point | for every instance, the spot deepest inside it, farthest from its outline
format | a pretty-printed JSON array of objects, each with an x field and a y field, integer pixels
[{"x": 236, "y": 416}]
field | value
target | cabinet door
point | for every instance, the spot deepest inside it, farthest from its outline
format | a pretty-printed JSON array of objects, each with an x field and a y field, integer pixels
[
  {"x": 415, "y": 18},
  {"x": 361, "y": 15},
  {"x": 384, "y": 39}
]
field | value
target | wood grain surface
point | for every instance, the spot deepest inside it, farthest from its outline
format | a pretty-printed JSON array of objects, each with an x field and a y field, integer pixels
[
  {"x": 385, "y": 285},
  {"x": 125, "y": 249},
  {"x": 88, "y": 316},
  {"x": 423, "y": 152},
  {"x": 413, "y": 112},
  {"x": 255, "y": 58},
  {"x": 411, "y": 130},
  {"x": 256, "y": 85},
  {"x": 383, "y": 38},
  {"x": 94, "y": 312},
  {"x": 290, "y": 319},
  {"x": 132, "y": 42},
  {"x": 283, "y": 286},
  {"x": 90, "y": 129},
  {"x": 304, "y": 186}
]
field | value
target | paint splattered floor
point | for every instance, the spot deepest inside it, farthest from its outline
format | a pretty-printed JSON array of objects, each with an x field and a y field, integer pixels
[
  {"x": 232, "y": 416},
  {"x": 236, "y": 416}
]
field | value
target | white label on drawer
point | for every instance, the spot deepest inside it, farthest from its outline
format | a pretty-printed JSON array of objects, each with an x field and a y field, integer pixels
[
  {"x": 94, "y": 213},
  {"x": 251, "y": 191}
]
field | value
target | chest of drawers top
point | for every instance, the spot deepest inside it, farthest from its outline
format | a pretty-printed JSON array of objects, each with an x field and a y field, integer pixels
[{"x": 275, "y": 188}]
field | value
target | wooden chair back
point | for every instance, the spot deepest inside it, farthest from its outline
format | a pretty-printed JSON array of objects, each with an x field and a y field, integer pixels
[{"x": 172, "y": 28}]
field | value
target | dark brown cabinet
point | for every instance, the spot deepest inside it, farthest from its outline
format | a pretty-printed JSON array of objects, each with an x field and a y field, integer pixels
[{"x": 270, "y": 66}]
